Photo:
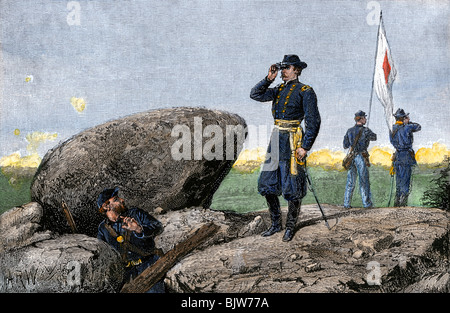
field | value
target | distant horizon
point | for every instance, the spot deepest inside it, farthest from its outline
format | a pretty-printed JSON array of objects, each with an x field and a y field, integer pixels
[{"x": 380, "y": 154}]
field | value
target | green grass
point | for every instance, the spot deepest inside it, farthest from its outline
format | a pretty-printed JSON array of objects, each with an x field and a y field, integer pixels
[
  {"x": 14, "y": 191},
  {"x": 238, "y": 192}
]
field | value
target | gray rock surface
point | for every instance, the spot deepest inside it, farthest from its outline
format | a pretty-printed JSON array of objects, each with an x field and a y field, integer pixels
[
  {"x": 21, "y": 226},
  {"x": 135, "y": 153},
  {"x": 37, "y": 260},
  {"x": 179, "y": 224},
  {"x": 375, "y": 250},
  {"x": 70, "y": 263}
]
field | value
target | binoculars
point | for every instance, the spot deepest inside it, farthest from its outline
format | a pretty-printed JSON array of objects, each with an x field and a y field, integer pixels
[{"x": 282, "y": 66}]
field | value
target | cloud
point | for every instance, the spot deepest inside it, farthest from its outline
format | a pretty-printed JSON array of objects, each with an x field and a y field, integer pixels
[
  {"x": 78, "y": 104},
  {"x": 17, "y": 161},
  {"x": 32, "y": 159},
  {"x": 326, "y": 159},
  {"x": 36, "y": 138},
  {"x": 381, "y": 156},
  {"x": 250, "y": 159},
  {"x": 432, "y": 156}
]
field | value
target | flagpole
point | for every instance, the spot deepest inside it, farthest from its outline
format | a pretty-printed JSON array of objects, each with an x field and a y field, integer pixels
[{"x": 374, "y": 68}]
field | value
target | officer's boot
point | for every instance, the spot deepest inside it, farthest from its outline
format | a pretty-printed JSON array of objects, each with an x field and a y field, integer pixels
[
  {"x": 275, "y": 215},
  {"x": 292, "y": 216}
]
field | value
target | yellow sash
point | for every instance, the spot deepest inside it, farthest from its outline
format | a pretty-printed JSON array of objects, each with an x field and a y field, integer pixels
[{"x": 295, "y": 140}]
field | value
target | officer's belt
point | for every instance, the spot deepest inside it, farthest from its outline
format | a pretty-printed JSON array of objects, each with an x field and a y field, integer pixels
[
  {"x": 295, "y": 140},
  {"x": 133, "y": 263},
  {"x": 287, "y": 125}
]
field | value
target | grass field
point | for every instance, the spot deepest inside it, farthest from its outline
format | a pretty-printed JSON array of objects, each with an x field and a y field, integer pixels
[
  {"x": 14, "y": 191},
  {"x": 238, "y": 192}
]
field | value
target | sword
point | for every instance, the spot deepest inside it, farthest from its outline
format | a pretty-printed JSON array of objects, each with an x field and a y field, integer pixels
[{"x": 317, "y": 200}]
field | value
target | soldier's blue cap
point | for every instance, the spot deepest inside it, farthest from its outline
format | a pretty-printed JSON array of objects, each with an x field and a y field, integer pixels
[
  {"x": 400, "y": 113},
  {"x": 106, "y": 194},
  {"x": 360, "y": 114},
  {"x": 293, "y": 59}
]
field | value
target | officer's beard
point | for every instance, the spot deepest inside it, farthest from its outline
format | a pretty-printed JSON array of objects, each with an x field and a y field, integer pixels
[{"x": 120, "y": 211}]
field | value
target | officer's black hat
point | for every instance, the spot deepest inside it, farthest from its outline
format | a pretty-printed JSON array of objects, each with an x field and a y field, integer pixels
[
  {"x": 400, "y": 113},
  {"x": 292, "y": 59},
  {"x": 106, "y": 194},
  {"x": 360, "y": 114}
]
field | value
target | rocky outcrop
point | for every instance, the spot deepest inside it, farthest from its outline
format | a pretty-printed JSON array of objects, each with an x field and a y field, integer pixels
[
  {"x": 21, "y": 226},
  {"x": 374, "y": 250},
  {"x": 383, "y": 249},
  {"x": 70, "y": 263},
  {"x": 37, "y": 260},
  {"x": 169, "y": 158},
  {"x": 179, "y": 224}
]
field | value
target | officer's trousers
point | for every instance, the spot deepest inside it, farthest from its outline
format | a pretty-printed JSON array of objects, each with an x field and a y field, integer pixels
[
  {"x": 277, "y": 180},
  {"x": 402, "y": 183}
]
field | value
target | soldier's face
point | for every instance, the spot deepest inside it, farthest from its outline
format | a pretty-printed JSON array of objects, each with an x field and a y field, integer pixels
[
  {"x": 289, "y": 73},
  {"x": 114, "y": 207}
]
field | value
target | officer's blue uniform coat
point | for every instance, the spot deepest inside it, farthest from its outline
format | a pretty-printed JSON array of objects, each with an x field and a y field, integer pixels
[
  {"x": 302, "y": 106},
  {"x": 402, "y": 139}
]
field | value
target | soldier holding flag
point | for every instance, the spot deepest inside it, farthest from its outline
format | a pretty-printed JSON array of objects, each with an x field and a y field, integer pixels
[
  {"x": 400, "y": 131},
  {"x": 404, "y": 159}
]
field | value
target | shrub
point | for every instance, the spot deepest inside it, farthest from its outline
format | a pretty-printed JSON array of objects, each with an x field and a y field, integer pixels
[{"x": 438, "y": 194}]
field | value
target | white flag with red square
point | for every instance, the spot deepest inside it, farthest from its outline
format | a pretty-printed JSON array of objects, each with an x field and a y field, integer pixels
[{"x": 384, "y": 75}]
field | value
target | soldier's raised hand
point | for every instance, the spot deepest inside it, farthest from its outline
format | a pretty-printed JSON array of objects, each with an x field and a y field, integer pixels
[
  {"x": 273, "y": 72},
  {"x": 131, "y": 224}
]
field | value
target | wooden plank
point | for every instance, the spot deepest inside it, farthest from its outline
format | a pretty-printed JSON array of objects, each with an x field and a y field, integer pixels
[{"x": 156, "y": 272}]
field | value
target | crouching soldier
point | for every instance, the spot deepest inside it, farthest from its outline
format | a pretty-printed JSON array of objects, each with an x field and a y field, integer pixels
[{"x": 131, "y": 232}]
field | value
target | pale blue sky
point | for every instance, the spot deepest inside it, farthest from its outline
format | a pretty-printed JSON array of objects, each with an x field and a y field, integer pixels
[{"x": 130, "y": 56}]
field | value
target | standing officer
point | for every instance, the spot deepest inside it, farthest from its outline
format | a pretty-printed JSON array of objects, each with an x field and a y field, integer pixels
[
  {"x": 402, "y": 139},
  {"x": 131, "y": 232},
  {"x": 292, "y": 102},
  {"x": 360, "y": 163}
]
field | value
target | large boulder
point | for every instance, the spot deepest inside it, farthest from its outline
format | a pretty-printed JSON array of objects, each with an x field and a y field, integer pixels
[
  {"x": 69, "y": 263},
  {"x": 169, "y": 158}
]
